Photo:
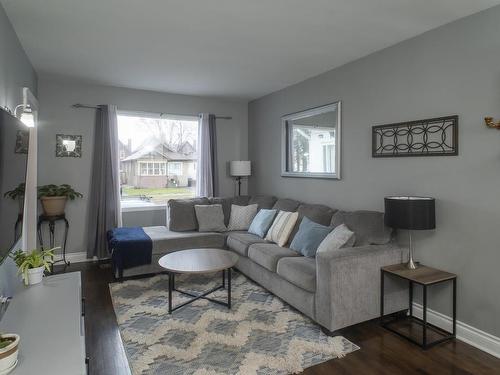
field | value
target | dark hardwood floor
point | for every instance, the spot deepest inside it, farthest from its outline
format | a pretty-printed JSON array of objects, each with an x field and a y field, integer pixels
[{"x": 381, "y": 351}]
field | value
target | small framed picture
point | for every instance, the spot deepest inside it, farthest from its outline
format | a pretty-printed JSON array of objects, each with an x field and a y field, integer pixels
[
  {"x": 68, "y": 146},
  {"x": 22, "y": 141}
]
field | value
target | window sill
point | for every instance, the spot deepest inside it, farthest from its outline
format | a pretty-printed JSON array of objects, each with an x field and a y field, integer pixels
[{"x": 143, "y": 207}]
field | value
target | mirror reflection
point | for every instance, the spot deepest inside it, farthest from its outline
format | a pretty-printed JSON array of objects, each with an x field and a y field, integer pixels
[{"x": 311, "y": 142}]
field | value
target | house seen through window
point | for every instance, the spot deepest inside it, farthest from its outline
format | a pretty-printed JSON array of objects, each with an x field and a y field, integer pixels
[{"x": 157, "y": 158}]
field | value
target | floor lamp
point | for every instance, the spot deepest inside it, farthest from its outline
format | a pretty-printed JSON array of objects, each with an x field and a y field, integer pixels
[{"x": 239, "y": 169}]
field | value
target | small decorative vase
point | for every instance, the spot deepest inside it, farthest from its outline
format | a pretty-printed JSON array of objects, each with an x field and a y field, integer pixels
[
  {"x": 8, "y": 355},
  {"x": 53, "y": 206},
  {"x": 35, "y": 275}
]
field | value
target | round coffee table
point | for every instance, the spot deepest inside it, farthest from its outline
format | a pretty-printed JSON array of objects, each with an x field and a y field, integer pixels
[{"x": 198, "y": 261}]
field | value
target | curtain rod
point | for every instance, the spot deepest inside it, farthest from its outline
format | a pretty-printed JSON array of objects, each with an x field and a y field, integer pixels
[{"x": 80, "y": 105}]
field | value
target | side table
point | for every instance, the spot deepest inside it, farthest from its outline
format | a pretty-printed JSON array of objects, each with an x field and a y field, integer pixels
[
  {"x": 52, "y": 225},
  {"x": 425, "y": 277}
]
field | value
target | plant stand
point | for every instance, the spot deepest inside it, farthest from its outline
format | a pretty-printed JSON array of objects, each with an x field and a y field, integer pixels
[{"x": 51, "y": 220}]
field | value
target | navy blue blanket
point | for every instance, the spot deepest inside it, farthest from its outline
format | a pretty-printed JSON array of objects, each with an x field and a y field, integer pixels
[{"x": 130, "y": 247}]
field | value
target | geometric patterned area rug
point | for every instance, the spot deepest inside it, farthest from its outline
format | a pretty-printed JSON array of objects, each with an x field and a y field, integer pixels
[{"x": 259, "y": 335}]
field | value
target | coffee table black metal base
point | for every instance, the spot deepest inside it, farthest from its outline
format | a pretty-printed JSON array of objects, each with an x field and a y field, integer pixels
[{"x": 171, "y": 288}]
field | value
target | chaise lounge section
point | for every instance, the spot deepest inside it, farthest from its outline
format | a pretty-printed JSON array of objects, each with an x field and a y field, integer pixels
[{"x": 335, "y": 289}]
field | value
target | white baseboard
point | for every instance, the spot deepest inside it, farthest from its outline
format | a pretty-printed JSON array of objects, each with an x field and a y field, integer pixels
[
  {"x": 74, "y": 257},
  {"x": 466, "y": 333}
]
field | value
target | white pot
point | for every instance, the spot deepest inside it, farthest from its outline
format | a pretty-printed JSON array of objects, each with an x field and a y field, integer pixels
[
  {"x": 35, "y": 275},
  {"x": 8, "y": 355}
]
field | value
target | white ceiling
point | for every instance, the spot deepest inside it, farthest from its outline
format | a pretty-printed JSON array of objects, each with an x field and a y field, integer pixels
[{"x": 229, "y": 48}]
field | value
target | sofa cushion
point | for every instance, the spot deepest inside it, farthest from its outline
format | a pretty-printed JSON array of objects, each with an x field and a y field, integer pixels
[
  {"x": 242, "y": 216},
  {"x": 181, "y": 214},
  {"x": 309, "y": 236},
  {"x": 210, "y": 218},
  {"x": 226, "y": 206},
  {"x": 300, "y": 271},
  {"x": 262, "y": 222},
  {"x": 267, "y": 254},
  {"x": 241, "y": 200},
  {"x": 240, "y": 241},
  {"x": 165, "y": 241},
  {"x": 286, "y": 204},
  {"x": 368, "y": 226},
  {"x": 318, "y": 213},
  {"x": 264, "y": 201}
]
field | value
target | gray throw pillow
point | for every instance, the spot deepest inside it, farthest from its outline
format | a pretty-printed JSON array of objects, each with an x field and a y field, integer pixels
[
  {"x": 210, "y": 218},
  {"x": 340, "y": 237}
]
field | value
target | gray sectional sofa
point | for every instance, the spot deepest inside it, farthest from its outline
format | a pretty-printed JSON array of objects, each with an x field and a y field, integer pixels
[{"x": 335, "y": 289}]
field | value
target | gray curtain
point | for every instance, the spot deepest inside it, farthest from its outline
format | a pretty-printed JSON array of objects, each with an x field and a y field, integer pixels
[
  {"x": 206, "y": 169},
  {"x": 104, "y": 208}
]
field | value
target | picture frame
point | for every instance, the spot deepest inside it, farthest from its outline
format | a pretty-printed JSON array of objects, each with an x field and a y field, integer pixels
[
  {"x": 68, "y": 146},
  {"x": 22, "y": 142}
]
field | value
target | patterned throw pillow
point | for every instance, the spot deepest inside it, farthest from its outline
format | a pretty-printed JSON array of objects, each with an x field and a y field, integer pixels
[
  {"x": 242, "y": 216},
  {"x": 282, "y": 227},
  {"x": 210, "y": 218},
  {"x": 340, "y": 237}
]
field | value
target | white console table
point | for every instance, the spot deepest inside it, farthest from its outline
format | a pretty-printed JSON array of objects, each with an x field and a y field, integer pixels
[{"x": 49, "y": 317}]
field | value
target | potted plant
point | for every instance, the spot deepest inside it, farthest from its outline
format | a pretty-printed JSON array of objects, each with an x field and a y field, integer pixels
[
  {"x": 9, "y": 348},
  {"x": 32, "y": 264},
  {"x": 54, "y": 198},
  {"x": 17, "y": 194}
]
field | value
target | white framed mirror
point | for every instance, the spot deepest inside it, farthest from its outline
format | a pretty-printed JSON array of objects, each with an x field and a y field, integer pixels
[{"x": 311, "y": 140}]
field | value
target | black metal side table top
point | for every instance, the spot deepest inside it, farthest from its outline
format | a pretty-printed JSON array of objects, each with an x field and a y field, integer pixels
[
  {"x": 51, "y": 220},
  {"x": 203, "y": 260},
  {"x": 425, "y": 277}
]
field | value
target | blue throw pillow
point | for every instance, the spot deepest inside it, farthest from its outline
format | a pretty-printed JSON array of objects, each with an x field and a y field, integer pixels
[
  {"x": 262, "y": 222},
  {"x": 308, "y": 237}
]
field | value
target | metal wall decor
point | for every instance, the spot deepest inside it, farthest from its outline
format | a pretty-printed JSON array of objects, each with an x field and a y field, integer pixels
[
  {"x": 430, "y": 137},
  {"x": 68, "y": 146},
  {"x": 491, "y": 123}
]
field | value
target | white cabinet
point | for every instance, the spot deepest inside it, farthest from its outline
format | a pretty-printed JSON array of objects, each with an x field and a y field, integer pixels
[{"x": 48, "y": 317}]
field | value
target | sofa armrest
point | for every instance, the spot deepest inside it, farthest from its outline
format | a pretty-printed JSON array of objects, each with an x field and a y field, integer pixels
[{"x": 348, "y": 285}]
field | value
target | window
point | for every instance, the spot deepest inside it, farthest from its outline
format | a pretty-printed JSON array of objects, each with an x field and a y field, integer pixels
[
  {"x": 158, "y": 156},
  {"x": 174, "y": 167},
  {"x": 152, "y": 168}
]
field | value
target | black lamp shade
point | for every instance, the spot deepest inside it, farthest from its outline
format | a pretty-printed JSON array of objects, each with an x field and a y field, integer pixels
[{"x": 415, "y": 213}]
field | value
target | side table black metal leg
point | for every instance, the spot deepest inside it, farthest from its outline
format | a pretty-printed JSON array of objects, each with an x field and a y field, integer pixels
[
  {"x": 66, "y": 229},
  {"x": 229, "y": 288},
  {"x": 39, "y": 232},
  {"x": 52, "y": 228},
  {"x": 382, "y": 296},
  {"x": 223, "y": 278},
  {"x": 424, "y": 319},
  {"x": 410, "y": 302}
]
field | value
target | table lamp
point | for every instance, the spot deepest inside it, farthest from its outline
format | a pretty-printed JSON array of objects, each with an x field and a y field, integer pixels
[
  {"x": 411, "y": 213},
  {"x": 239, "y": 169}
]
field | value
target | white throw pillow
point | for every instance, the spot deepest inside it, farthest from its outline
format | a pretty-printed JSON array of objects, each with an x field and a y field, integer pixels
[
  {"x": 242, "y": 216},
  {"x": 340, "y": 237},
  {"x": 282, "y": 227}
]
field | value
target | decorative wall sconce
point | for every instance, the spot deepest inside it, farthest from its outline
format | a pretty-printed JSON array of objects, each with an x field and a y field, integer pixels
[{"x": 491, "y": 123}]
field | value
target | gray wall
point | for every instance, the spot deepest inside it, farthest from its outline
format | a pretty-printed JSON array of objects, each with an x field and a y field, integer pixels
[
  {"x": 16, "y": 70},
  {"x": 454, "y": 69},
  {"x": 57, "y": 94}
]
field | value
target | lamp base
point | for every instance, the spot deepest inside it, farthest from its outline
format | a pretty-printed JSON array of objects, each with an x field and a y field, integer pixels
[{"x": 412, "y": 265}]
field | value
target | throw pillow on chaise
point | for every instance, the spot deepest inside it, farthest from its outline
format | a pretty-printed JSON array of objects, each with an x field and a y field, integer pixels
[{"x": 210, "y": 218}]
